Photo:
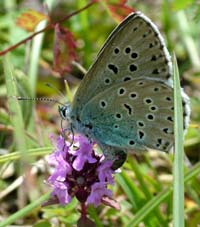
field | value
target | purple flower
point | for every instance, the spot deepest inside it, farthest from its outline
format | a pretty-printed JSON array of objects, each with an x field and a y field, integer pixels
[
  {"x": 80, "y": 172},
  {"x": 61, "y": 192},
  {"x": 83, "y": 153},
  {"x": 98, "y": 191},
  {"x": 57, "y": 159},
  {"x": 105, "y": 172}
]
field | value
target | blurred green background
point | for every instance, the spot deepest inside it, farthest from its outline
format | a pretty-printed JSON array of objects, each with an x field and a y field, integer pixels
[{"x": 24, "y": 139}]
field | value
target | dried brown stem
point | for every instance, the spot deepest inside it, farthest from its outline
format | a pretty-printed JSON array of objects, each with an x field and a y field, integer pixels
[{"x": 49, "y": 26}]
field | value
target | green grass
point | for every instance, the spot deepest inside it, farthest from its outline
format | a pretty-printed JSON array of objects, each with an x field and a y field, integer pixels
[
  {"x": 14, "y": 107},
  {"x": 178, "y": 165}
]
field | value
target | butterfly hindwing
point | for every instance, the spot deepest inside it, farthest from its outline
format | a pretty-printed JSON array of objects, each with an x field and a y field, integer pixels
[{"x": 133, "y": 115}]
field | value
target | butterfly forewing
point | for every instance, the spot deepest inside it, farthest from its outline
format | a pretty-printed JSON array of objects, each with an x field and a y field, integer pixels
[{"x": 135, "y": 49}]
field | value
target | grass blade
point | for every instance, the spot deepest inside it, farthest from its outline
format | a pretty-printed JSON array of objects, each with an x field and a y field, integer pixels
[
  {"x": 25, "y": 211},
  {"x": 14, "y": 108},
  {"x": 178, "y": 166},
  {"x": 159, "y": 198}
]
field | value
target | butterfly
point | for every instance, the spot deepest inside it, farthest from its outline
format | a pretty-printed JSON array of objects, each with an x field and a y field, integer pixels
[{"x": 125, "y": 101}]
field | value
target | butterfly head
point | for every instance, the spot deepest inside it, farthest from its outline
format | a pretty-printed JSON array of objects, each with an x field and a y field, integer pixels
[{"x": 65, "y": 111}]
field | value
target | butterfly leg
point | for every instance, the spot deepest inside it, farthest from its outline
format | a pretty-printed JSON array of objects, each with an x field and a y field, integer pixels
[
  {"x": 115, "y": 154},
  {"x": 68, "y": 129}
]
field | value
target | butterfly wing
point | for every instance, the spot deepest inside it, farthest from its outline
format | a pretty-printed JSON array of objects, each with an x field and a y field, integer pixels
[
  {"x": 135, "y": 49},
  {"x": 135, "y": 115},
  {"x": 125, "y": 101}
]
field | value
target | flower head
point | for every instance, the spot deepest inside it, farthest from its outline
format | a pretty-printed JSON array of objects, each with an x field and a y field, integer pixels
[{"x": 79, "y": 171}]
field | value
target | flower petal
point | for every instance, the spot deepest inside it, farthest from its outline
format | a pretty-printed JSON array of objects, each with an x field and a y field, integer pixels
[{"x": 98, "y": 191}]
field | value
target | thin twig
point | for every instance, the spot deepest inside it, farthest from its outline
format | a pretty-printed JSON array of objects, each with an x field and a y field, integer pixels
[{"x": 49, "y": 26}]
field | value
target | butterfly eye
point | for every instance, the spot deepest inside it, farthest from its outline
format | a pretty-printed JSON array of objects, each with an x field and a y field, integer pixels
[{"x": 64, "y": 111}]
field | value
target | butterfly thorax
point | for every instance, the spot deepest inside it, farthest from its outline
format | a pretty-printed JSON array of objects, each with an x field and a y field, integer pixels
[
  {"x": 67, "y": 113},
  {"x": 83, "y": 127}
]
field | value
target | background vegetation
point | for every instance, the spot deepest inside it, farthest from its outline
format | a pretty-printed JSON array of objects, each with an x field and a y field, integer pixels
[{"x": 144, "y": 187}]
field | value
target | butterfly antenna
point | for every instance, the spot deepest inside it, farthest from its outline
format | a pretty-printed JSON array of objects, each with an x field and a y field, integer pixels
[
  {"x": 41, "y": 99},
  {"x": 55, "y": 89}
]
